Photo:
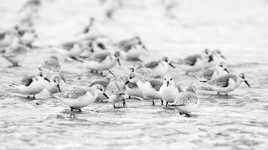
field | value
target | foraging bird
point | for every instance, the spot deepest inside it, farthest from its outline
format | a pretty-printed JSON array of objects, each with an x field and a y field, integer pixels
[
  {"x": 77, "y": 98},
  {"x": 31, "y": 86},
  {"x": 108, "y": 63},
  {"x": 225, "y": 83},
  {"x": 158, "y": 68},
  {"x": 187, "y": 101}
]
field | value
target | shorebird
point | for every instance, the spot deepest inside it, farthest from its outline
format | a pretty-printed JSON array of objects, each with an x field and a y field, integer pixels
[
  {"x": 117, "y": 98},
  {"x": 126, "y": 45},
  {"x": 77, "y": 98},
  {"x": 187, "y": 101},
  {"x": 213, "y": 72},
  {"x": 158, "y": 68},
  {"x": 30, "y": 86},
  {"x": 131, "y": 87},
  {"x": 149, "y": 87},
  {"x": 150, "y": 90},
  {"x": 105, "y": 65},
  {"x": 73, "y": 53},
  {"x": 54, "y": 85},
  {"x": 169, "y": 90},
  {"x": 132, "y": 49},
  {"x": 225, "y": 83},
  {"x": 194, "y": 59}
]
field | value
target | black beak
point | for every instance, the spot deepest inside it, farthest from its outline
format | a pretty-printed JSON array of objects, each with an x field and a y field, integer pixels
[
  {"x": 223, "y": 57},
  {"x": 45, "y": 78},
  {"x": 225, "y": 69},
  {"x": 127, "y": 82},
  {"x": 105, "y": 95},
  {"x": 247, "y": 83},
  {"x": 171, "y": 65},
  {"x": 58, "y": 86},
  {"x": 118, "y": 61},
  {"x": 167, "y": 83}
]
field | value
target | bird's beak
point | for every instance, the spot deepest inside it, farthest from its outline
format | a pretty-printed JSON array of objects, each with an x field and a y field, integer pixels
[
  {"x": 167, "y": 83},
  {"x": 58, "y": 86},
  {"x": 118, "y": 61},
  {"x": 105, "y": 95},
  {"x": 171, "y": 65},
  {"x": 223, "y": 57},
  {"x": 225, "y": 69},
  {"x": 247, "y": 83},
  {"x": 127, "y": 82}
]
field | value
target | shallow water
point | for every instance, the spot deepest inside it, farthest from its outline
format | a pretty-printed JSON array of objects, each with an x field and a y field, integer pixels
[{"x": 238, "y": 121}]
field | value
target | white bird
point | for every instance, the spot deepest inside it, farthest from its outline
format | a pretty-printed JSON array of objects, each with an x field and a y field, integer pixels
[
  {"x": 77, "y": 98},
  {"x": 31, "y": 86},
  {"x": 213, "y": 72},
  {"x": 158, "y": 68},
  {"x": 225, "y": 83},
  {"x": 187, "y": 101},
  {"x": 131, "y": 87},
  {"x": 169, "y": 90},
  {"x": 54, "y": 85},
  {"x": 117, "y": 98},
  {"x": 105, "y": 65}
]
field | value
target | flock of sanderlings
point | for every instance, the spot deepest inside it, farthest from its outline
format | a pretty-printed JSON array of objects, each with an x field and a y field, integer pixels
[{"x": 138, "y": 78}]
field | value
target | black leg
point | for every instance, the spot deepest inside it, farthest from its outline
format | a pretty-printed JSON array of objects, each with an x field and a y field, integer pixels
[
  {"x": 72, "y": 109},
  {"x": 153, "y": 102},
  {"x": 79, "y": 110},
  {"x": 33, "y": 96},
  {"x": 162, "y": 102},
  {"x": 114, "y": 106},
  {"x": 124, "y": 103},
  {"x": 166, "y": 104}
]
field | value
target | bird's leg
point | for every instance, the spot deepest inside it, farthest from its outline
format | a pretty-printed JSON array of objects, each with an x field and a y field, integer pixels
[
  {"x": 124, "y": 103},
  {"x": 153, "y": 103},
  {"x": 72, "y": 109},
  {"x": 114, "y": 106},
  {"x": 166, "y": 104},
  {"x": 79, "y": 110},
  {"x": 162, "y": 102},
  {"x": 33, "y": 97}
]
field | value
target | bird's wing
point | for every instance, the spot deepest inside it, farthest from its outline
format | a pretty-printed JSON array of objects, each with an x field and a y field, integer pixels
[
  {"x": 223, "y": 80},
  {"x": 152, "y": 64},
  {"x": 75, "y": 92},
  {"x": 156, "y": 84},
  {"x": 191, "y": 60}
]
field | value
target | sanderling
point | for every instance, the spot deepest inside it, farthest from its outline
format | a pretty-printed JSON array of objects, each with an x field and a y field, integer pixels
[
  {"x": 116, "y": 98},
  {"x": 158, "y": 68},
  {"x": 30, "y": 86},
  {"x": 131, "y": 87},
  {"x": 73, "y": 53},
  {"x": 187, "y": 101},
  {"x": 54, "y": 85},
  {"x": 126, "y": 45},
  {"x": 77, "y": 98},
  {"x": 225, "y": 83},
  {"x": 169, "y": 90},
  {"x": 105, "y": 65},
  {"x": 213, "y": 72}
]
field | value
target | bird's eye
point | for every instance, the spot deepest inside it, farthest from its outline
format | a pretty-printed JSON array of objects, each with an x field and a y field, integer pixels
[{"x": 171, "y": 79}]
